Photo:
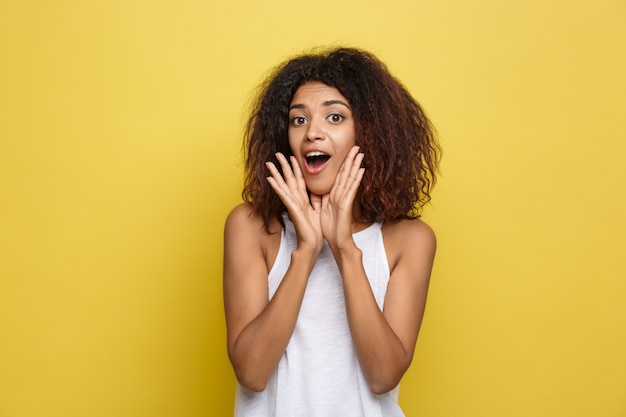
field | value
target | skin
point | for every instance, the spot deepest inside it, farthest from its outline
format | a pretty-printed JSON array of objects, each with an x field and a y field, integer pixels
[{"x": 259, "y": 329}]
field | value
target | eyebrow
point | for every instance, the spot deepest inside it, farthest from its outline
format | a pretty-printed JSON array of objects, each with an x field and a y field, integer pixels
[{"x": 326, "y": 103}]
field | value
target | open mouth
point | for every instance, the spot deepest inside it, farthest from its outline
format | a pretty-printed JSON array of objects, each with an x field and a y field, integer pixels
[{"x": 316, "y": 158}]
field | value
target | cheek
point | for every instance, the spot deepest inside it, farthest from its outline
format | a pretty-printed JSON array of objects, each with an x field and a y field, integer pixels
[
  {"x": 293, "y": 147},
  {"x": 349, "y": 139},
  {"x": 350, "y": 133}
]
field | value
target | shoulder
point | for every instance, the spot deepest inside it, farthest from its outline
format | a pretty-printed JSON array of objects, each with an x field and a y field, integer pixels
[
  {"x": 243, "y": 216},
  {"x": 413, "y": 230},
  {"x": 245, "y": 230},
  {"x": 409, "y": 238}
]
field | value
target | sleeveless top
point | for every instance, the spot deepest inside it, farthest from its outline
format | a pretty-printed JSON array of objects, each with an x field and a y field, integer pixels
[{"x": 319, "y": 374}]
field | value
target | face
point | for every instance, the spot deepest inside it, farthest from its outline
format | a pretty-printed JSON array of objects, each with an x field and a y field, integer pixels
[{"x": 321, "y": 133}]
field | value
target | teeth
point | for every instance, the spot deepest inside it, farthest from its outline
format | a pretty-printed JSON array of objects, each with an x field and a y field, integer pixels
[{"x": 315, "y": 153}]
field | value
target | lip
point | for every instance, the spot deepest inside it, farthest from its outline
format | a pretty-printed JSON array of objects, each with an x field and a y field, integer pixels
[{"x": 317, "y": 169}]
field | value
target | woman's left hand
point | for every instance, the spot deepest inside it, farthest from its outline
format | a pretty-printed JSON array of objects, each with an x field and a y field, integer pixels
[{"x": 336, "y": 207}]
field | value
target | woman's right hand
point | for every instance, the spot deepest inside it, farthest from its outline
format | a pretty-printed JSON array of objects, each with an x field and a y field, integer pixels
[{"x": 293, "y": 193}]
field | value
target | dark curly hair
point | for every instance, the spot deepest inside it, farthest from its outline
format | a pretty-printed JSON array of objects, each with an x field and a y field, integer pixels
[{"x": 401, "y": 150}]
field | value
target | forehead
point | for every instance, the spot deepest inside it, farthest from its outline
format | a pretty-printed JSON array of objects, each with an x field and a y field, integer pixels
[{"x": 316, "y": 91}]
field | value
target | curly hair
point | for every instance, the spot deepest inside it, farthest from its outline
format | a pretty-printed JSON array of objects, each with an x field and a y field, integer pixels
[{"x": 399, "y": 142}]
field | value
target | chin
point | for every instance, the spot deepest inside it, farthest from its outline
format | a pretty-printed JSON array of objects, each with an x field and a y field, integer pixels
[
  {"x": 319, "y": 189},
  {"x": 319, "y": 192},
  {"x": 320, "y": 184}
]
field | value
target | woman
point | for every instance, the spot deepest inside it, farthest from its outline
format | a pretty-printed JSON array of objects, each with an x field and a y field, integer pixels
[{"x": 326, "y": 264}]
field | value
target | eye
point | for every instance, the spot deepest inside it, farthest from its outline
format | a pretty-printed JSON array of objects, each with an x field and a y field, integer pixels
[
  {"x": 335, "y": 117},
  {"x": 298, "y": 121}
]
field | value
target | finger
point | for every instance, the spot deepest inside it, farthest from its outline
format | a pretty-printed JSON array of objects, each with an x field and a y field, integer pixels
[
  {"x": 344, "y": 172},
  {"x": 297, "y": 171},
  {"x": 280, "y": 187},
  {"x": 354, "y": 185},
  {"x": 349, "y": 161},
  {"x": 277, "y": 183},
  {"x": 355, "y": 168},
  {"x": 275, "y": 174},
  {"x": 292, "y": 202},
  {"x": 351, "y": 179},
  {"x": 287, "y": 171},
  {"x": 355, "y": 176}
]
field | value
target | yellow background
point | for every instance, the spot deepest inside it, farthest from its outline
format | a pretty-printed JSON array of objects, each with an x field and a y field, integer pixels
[{"x": 120, "y": 127}]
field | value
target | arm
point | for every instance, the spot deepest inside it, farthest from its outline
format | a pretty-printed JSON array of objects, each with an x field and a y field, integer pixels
[
  {"x": 385, "y": 341},
  {"x": 258, "y": 330}
]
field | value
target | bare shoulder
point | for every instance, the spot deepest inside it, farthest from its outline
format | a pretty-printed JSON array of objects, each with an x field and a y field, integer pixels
[
  {"x": 409, "y": 238},
  {"x": 245, "y": 232},
  {"x": 243, "y": 215},
  {"x": 410, "y": 229}
]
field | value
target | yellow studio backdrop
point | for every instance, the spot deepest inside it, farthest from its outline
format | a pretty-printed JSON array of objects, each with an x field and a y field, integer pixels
[{"x": 120, "y": 131}]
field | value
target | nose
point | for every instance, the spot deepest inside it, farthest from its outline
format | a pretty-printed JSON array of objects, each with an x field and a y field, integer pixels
[{"x": 315, "y": 130}]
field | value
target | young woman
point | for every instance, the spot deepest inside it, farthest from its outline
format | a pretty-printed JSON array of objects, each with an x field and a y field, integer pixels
[{"x": 326, "y": 264}]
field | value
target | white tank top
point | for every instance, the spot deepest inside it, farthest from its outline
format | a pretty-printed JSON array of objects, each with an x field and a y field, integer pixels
[{"x": 319, "y": 374}]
